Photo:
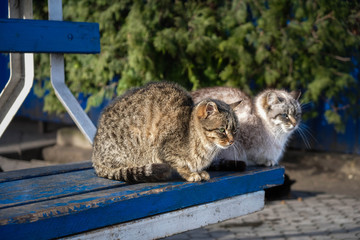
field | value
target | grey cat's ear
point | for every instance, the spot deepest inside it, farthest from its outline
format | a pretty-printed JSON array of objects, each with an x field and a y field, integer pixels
[
  {"x": 235, "y": 104},
  {"x": 272, "y": 98},
  {"x": 206, "y": 109},
  {"x": 296, "y": 94}
]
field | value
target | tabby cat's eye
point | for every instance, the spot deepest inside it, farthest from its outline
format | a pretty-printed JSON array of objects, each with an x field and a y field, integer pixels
[{"x": 221, "y": 130}]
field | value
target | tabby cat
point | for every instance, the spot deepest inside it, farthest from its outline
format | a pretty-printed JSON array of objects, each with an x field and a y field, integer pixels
[
  {"x": 265, "y": 123},
  {"x": 151, "y": 132}
]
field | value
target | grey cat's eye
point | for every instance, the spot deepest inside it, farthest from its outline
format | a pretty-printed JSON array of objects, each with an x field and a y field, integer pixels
[{"x": 285, "y": 115}]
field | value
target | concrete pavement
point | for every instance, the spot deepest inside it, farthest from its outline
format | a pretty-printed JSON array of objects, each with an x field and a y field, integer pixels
[{"x": 306, "y": 216}]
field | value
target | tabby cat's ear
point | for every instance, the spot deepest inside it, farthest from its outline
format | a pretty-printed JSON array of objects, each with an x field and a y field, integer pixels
[
  {"x": 211, "y": 108},
  {"x": 206, "y": 109},
  {"x": 235, "y": 104},
  {"x": 296, "y": 94}
]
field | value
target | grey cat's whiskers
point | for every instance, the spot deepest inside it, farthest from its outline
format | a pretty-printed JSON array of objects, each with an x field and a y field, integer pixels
[
  {"x": 304, "y": 131},
  {"x": 240, "y": 152},
  {"x": 304, "y": 139},
  {"x": 213, "y": 153},
  {"x": 276, "y": 136},
  {"x": 236, "y": 152},
  {"x": 305, "y": 106}
]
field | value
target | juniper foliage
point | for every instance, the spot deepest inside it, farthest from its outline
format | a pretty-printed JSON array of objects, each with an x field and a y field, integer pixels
[{"x": 292, "y": 44}]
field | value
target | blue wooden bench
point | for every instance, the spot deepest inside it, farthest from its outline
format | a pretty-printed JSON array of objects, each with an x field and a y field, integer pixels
[{"x": 70, "y": 201}]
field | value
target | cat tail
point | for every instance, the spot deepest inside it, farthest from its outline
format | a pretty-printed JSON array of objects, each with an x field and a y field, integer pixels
[{"x": 153, "y": 172}]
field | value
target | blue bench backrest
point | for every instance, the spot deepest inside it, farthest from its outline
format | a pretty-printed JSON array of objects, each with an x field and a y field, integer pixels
[
  {"x": 38, "y": 36},
  {"x": 54, "y": 37}
]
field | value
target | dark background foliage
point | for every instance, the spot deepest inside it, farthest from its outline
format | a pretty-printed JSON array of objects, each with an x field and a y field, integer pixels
[{"x": 312, "y": 45}]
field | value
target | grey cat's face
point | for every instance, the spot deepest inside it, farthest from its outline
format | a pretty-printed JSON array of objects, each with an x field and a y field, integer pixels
[
  {"x": 283, "y": 109},
  {"x": 218, "y": 122}
]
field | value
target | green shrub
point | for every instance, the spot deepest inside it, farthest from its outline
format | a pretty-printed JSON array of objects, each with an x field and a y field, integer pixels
[{"x": 293, "y": 44}]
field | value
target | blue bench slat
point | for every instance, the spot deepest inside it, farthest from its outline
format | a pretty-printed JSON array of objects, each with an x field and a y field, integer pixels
[
  {"x": 40, "y": 36},
  {"x": 95, "y": 209},
  {"x": 27, "y": 191},
  {"x": 43, "y": 171},
  {"x": 54, "y": 186}
]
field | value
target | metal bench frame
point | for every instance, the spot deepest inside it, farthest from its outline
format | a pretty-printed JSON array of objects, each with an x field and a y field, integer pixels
[{"x": 22, "y": 75}]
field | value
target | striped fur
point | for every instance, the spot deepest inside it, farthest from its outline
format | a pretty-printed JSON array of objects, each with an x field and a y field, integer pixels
[{"x": 148, "y": 133}]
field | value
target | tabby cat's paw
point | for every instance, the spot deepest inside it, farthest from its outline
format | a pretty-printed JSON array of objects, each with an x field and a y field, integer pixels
[
  {"x": 204, "y": 175},
  {"x": 194, "y": 177}
]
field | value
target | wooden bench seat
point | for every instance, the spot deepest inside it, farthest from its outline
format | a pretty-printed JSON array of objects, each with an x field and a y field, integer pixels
[{"x": 58, "y": 201}]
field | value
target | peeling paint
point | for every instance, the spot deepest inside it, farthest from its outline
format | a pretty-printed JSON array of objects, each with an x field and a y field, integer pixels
[{"x": 112, "y": 202}]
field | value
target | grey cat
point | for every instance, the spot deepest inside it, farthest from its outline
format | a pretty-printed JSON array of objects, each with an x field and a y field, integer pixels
[
  {"x": 265, "y": 123},
  {"x": 150, "y": 132}
]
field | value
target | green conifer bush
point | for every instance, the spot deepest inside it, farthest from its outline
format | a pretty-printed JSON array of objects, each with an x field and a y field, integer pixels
[{"x": 250, "y": 44}]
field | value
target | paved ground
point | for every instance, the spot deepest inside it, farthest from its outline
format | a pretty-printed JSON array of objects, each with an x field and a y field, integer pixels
[
  {"x": 322, "y": 216},
  {"x": 324, "y": 202},
  {"x": 331, "y": 173}
]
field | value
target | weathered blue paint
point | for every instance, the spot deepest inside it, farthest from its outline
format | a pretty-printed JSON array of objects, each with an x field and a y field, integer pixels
[
  {"x": 27, "y": 191},
  {"x": 39, "y": 36},
  {"x": 43, "y": 171},
  {"x": 84, "y": 202}
]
